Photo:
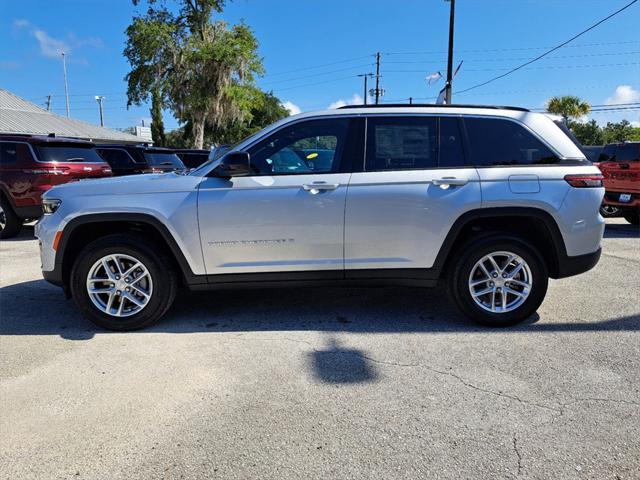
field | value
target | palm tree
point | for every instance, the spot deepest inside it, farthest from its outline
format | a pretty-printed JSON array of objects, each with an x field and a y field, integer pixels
[{"x": 569, "y": 106}]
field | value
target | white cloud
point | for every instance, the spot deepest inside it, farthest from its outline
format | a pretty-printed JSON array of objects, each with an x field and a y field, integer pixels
[
  {"x": 53, "y": 47},
  {"x": 623, "y": 94},
  {"x": 49, "y": 46},
  {"x": 292, "y": 107},
  {"x": 354, "y": 100}
]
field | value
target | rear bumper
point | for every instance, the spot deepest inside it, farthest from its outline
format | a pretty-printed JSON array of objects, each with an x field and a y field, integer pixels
[
  {"x": 612, "y": 197},
  {"x": 569, "y": 266}
]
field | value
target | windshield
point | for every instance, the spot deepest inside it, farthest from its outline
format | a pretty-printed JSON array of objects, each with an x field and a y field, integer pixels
[
  {"x": 162, "y": 159},
  {"x": 69, "y": 154}
]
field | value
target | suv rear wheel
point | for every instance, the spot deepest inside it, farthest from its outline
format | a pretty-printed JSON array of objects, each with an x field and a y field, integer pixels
[
  {"x": 10, "y": 224},
  {"x": 122, "y": 283},
  {"x": 498, "y": 280}
]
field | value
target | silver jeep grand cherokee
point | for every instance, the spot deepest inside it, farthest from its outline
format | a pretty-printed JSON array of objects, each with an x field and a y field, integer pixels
[{"x": 491, "y": 201}]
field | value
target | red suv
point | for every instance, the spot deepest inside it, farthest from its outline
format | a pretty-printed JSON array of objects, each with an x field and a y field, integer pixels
[
  {"x": 620, "y": 165},
  {"x": 29, "y": 166}
]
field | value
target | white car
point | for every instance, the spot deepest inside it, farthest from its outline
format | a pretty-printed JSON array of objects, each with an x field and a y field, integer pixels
[{"x": 491, "y": 200}]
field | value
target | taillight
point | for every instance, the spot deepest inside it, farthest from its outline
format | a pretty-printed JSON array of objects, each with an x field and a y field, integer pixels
[
  {"x": 584, "y": 181},
  {"x": 48, "y": 171}
]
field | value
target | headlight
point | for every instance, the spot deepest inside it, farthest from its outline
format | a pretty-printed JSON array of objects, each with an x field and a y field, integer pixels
[{"x": 50, "y": 205}]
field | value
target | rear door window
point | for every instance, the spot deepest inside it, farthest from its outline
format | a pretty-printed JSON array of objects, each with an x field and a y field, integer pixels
[
  {"x": 401, "y": 143},
  {"x": 116, "y": 158},
  {"x": 495, "y": 142}
]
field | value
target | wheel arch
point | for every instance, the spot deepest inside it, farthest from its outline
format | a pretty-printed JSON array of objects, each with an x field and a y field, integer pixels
[
  {"x": 86, "y": 228},
  {"x": 532, "y": 224}
]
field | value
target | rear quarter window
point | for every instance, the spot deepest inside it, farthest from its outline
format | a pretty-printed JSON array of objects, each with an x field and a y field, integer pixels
[
  {"x": 8, "y": 153},
  {"x": 500, "y": 142}
]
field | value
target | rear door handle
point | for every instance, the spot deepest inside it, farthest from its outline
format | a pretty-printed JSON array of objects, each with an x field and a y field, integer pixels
[
  {"x": 317, "y": 187},
  {"x": 446, "y": 182}
]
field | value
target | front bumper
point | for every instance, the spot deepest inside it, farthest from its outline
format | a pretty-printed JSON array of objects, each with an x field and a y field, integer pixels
[{"x": 569, "y": 266}]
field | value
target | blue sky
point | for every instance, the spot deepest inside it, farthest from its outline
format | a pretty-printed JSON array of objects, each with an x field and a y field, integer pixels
[{"x": 313, "y": 51}]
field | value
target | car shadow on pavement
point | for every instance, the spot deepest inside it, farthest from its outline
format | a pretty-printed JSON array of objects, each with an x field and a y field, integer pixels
[
  {"x": 26, "y": 233},
  {"x": 37, "y": 308},
  {"x": 621, "y": 230}
]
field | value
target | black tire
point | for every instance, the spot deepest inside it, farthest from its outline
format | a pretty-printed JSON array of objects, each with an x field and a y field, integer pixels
[
  {"x": 632, "y": 216},
  {"x": 12, "y": 223},
  {"x": 609, "y": 211},
  {"x": 154, "y": 259},
  {"x": 471, "y": 253}
]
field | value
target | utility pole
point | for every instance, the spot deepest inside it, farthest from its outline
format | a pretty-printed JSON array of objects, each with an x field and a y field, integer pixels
[
  {"x": 366, "y": 94},
  {"x": 99, "y": 99},
  {"x": 48, "y": 103},
  {"x": 377, "y": 78},
  {"x": 66, "y": 87},
  {"x": 448, "y": 85}
]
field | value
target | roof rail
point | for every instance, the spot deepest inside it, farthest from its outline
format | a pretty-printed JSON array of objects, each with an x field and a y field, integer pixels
[{"x": 433, "y": 105}]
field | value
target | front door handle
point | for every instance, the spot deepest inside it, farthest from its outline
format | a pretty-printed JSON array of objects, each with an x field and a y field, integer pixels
[
  {"x": 446, "y": 182},
  {"x": 317, "y": 187}
]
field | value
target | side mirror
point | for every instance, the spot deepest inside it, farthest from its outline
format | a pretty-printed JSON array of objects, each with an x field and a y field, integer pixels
[{"x": 233, "y": 164}]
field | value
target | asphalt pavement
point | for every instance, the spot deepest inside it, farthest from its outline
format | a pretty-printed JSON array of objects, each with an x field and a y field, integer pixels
[{"x": 328, "y": 383}]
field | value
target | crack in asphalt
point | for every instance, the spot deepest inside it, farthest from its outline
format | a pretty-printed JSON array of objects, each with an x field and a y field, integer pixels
[
  {"x": 518, "y": 454},
  {"x": 559, "y": 410}
]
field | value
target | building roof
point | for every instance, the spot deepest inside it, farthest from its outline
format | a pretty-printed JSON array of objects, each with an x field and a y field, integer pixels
[{"x": 19, "y": 116}]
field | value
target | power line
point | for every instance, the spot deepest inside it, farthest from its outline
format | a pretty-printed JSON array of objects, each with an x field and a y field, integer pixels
[
  {"x": 486, "y": 60},
  {"x": 546, "y": 67},
  {"x": 319, "y": 74},
  {"x": 484, "y": 50},
  {"x": 551, "y": 50},
  {"x": 318, "y": 66}
]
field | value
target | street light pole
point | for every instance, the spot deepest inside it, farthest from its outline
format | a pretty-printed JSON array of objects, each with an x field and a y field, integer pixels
[
  {"x": 377, "y": 78},
  {"x": 99, "y": 99},
  {"x": 450, "y": 55},
  {"x": 66, "y": 87},
  {"x": 366, "y": 94}
]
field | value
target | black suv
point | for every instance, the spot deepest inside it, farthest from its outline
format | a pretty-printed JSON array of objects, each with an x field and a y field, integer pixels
[
  {"x": 191, "y": 157},
  {"x": 132, "y": 159}
]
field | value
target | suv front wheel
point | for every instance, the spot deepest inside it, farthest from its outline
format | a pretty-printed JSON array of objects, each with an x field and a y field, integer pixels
[
  {"x": 498, "y": 280},
  {"x": 122, "y": 283}
]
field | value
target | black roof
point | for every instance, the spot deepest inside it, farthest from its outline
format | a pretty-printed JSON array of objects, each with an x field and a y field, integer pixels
[
  {"x": 139, "y": 146},
  {"x": 190, "y": 150},
  {"x": 433, "y": 105}
]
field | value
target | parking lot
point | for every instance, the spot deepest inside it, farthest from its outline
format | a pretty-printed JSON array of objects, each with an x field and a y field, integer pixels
[{"x": 324, "y": 383}]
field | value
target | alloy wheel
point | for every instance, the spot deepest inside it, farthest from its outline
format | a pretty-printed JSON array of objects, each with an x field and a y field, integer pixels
[
  {"x": 500, "y": 282},
  {"x": 119, "y": 285}
]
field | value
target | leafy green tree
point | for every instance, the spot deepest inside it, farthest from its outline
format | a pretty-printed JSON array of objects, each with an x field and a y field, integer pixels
[
  {"x": 617, "y": 132},
  {"x": 265, "y": 108},
  {"x": 569, "y": 106},
  {"x": 203, "y": 69},
  {"x": 588, "y": 133},
  {"x": 157, "y": 124}
]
